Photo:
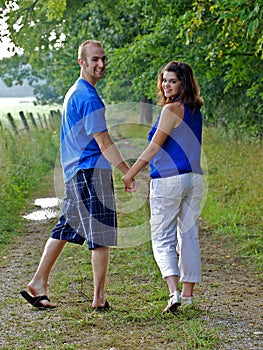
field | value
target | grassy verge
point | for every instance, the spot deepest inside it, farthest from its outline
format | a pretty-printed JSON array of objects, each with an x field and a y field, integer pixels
[
  {"x": 25, "y": 158},
  {"x": 234, "y": 205}
]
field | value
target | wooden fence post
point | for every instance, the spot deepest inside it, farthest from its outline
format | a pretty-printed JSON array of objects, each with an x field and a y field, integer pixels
[
  {"x": 40, "y": 121},
  {"x": 12, "y": 122},
  {"x": 33, "y": 121},
  {"x": 55, "y": 117},
  {"x": 45, "y": 120},
  {"x": 24, "y": 121}
]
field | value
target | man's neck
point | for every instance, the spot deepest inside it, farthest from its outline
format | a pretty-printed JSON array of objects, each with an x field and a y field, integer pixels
[{"x": 88, "y": 79}]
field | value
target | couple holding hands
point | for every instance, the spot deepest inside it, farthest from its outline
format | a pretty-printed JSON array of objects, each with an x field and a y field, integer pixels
[{"x": 176, "y": 186}]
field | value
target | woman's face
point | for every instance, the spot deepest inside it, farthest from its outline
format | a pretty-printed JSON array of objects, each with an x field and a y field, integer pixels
[{"x": 170, "y": 85}]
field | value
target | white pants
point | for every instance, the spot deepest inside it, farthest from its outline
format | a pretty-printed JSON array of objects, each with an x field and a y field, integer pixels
[{"x": 175, "y": 208}]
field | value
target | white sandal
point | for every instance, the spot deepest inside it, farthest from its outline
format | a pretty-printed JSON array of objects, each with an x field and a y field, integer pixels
[
  {"x": 173, "y": 303},
  {"x": 187, "y": 300}
]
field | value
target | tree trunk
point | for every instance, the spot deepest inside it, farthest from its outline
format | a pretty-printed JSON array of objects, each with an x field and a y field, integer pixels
[{"x": 146, "y": 111}]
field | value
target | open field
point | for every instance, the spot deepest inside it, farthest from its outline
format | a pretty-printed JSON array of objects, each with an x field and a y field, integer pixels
[{"x": 14, "y": 105}]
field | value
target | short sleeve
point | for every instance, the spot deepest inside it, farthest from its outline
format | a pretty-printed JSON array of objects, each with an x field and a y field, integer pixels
[{"x": 94, "y": 117}]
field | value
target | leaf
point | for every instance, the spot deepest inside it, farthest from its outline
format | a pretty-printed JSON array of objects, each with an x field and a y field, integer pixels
[{"x": 253, "y": 25}]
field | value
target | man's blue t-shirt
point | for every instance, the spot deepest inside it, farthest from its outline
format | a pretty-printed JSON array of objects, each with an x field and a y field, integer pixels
[{"x": 83, "y": 115}]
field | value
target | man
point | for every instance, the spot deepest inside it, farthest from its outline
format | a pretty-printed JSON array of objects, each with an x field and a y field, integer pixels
[{"x": 88, "y": 211}]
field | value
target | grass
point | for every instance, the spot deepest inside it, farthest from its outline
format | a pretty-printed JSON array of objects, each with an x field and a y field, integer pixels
[
  {"x": 137, "y": 294},
  {"x": 233, "y": 211},
  {"x": 234, "y": 204},
  {"x": 26, "y": 158}
]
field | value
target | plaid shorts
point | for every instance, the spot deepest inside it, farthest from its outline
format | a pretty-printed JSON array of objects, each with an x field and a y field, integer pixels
[{"x": 89, "y": 210}]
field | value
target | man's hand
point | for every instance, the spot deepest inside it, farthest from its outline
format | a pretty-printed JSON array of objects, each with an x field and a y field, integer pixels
[{"x": 129, "y": 184}]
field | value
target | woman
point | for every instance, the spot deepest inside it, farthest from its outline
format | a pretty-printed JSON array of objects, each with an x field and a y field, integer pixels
[{"x": 176, "y": 188}]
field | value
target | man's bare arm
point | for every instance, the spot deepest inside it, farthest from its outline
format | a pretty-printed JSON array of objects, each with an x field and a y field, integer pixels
[{"x": 111, "y": 151}]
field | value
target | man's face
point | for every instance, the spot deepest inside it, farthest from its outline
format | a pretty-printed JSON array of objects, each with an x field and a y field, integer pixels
[{"x": 94, "y": 64}]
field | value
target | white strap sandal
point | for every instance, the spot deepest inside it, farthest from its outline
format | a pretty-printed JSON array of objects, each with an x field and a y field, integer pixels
[{"x": 173, "y": 303}]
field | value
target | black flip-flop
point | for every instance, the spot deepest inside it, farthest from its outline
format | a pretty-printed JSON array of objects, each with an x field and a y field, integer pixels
[
  {"x": 105, "y": 307},
  {"x": 36, "y": 301}
]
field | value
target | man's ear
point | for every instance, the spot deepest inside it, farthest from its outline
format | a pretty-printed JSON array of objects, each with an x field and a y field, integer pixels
[{"x": 81, "y": 62}]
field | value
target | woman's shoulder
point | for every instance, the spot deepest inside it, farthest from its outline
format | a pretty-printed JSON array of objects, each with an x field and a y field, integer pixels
[{"x": 176, "y": 108}]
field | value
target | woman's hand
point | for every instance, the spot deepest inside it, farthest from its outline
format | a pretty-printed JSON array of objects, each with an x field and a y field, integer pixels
[{"x": 129, "y": 184}]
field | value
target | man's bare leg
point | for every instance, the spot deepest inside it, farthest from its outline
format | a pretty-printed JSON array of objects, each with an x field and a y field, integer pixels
[
  {"x": 100, "y": 262},
  {"x": 38, "y": 284}
]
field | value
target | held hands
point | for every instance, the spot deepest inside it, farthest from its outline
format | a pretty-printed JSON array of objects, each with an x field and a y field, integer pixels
[{"x": 129, "y": 184}]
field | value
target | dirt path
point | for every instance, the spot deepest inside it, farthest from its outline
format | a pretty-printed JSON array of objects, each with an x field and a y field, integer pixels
[
  {"x": 229, "y": 292},
  {"x": 233, "y": 295}
]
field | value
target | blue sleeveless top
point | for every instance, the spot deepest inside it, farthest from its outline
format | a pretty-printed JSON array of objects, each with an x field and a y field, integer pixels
[{"x": 181, "y": 151}]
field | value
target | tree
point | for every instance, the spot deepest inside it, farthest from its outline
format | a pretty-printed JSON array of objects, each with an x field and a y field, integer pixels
[
  {"x": 230, "y": 37},
  {"x": 127, "y": 29},
  {"x": 222, "y": 40}
]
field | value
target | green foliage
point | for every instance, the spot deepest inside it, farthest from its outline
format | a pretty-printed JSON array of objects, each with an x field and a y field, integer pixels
[
  {"x": 221, "y": 40},
  {"x": 55, "y": 9}
]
